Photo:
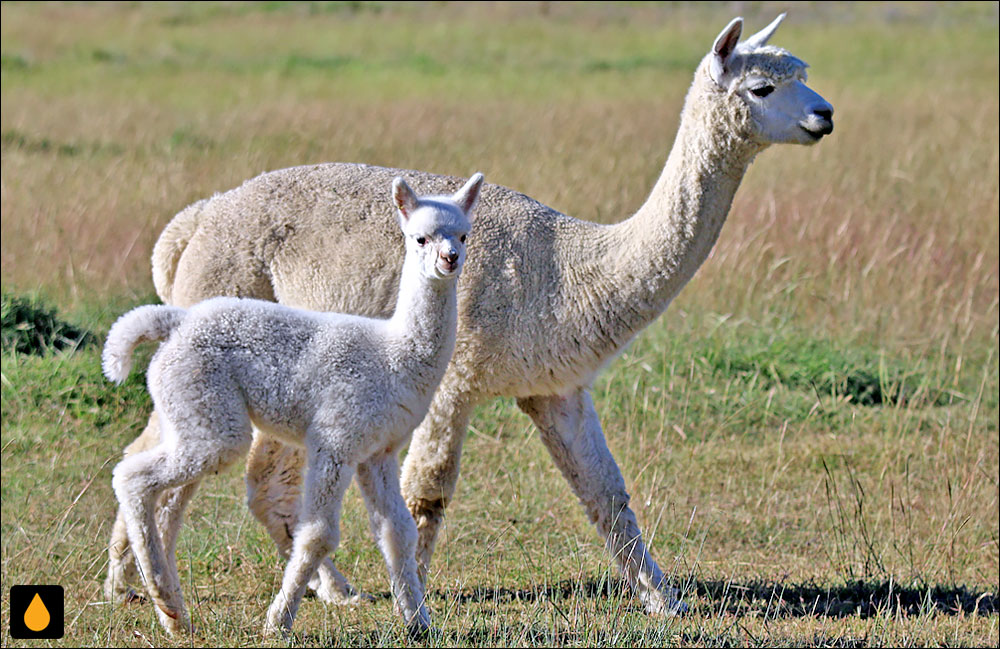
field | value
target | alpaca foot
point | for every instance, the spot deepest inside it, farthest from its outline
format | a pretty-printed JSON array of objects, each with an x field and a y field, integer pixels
[
  {"x": 337, "y": 593},
  {"x": 420, "y": 628},
  {"x": 117, "y": 587},
  {"x": 663, "y": 602},
  {"x": 276, "y": 631},
  {"x": 177, "y": 623},
  {"x": 124, "y": 594}
]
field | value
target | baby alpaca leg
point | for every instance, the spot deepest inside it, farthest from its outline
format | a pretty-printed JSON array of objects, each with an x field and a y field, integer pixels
[
  {"x": 122, "y": 573},
  {"x": 315, "y": 537},
  {"x": 572, "y": 433},
  {"x": 396, "y": 535},
  {"x": 430, "y": 470},
  {"x": 170, "y": 508},
  {"x": 139, "y": 480},
  {"x": 121, "y": 562},
  {"x": 274, "y": 478}
]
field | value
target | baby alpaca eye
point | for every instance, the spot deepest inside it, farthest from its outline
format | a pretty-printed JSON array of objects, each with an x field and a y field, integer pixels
[
  {"x": 762, "y": 91},
  {"x": 462, "y": 238},
  {"x": 421, "y": 241}
]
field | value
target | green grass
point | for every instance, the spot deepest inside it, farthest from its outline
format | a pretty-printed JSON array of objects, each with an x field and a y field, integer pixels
[{"x": 809, "y": 435}]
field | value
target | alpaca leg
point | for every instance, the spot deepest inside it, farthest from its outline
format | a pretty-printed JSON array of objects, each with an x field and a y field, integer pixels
[
  {"x": 170, "y": 509},
  {"x": 274, "y": 479},
  {"x": 430, "y": 471},
  {"x": 140, "y": 479},
  {"x": 315, "y": 537},
  {"x": 121, "y": 564},
  {"x": 122, "y": 572},
  {"x": 572, "y": 433},
  {"x": 395, "y": 534}
]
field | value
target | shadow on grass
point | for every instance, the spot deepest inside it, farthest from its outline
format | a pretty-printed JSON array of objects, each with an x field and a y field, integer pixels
[
  {"x": 757, "y": 599},
  {"x": 861, "y": 598}
]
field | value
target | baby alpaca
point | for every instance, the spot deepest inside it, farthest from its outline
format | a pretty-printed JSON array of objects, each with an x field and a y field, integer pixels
[{"x": 349, "y": 389}]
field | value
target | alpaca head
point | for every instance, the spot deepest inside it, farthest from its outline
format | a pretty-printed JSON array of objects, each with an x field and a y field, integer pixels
[
  {"x": 766, "y": 87},
  {"x": 435, "y": 227}
]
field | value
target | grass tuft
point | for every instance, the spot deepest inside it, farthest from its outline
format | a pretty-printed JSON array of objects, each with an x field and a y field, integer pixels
[
  {"x": 32, "y": 327},
  {"x": 858, "y": 375}
]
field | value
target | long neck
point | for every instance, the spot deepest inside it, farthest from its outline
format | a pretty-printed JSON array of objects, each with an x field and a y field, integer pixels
[
  {"x": 652, "y": 255},
  {"x": 426, "y": 313}
]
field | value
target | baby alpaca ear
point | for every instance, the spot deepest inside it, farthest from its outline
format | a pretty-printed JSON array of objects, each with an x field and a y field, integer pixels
[
  {"x": 722, "y": 50},
  {"x": 404, "y": 198},
  {"x": 467, "y": 196}
]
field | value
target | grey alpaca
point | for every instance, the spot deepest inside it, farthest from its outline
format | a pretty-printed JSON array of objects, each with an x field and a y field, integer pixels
[{"x": 346, "y": 388}]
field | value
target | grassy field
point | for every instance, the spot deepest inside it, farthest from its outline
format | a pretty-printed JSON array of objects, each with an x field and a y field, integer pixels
[{"x": 810, "y": 434}]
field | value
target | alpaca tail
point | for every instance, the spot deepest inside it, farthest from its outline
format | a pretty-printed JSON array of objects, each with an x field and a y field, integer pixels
[
  {"x": 150, "y": 322},
  {"x": 171, "y": 245}
]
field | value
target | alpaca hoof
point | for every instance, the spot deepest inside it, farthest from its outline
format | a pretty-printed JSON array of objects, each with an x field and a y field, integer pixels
[
  {"x": 177, "y": 627},
  {"x": 133, "y": 597},
  {"x": 127, "y": 597},
  {"x": 275, "y": 631},
  {"x": 421, "y": 631},
  {"x": 335, "y": 597},
  {"x": 665, "y": 603},
  {"x": 118, "y": 591},
  {"x": 666, "y": 609}
]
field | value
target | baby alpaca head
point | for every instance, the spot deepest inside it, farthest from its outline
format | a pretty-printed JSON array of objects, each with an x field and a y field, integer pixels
[
  {"x": 435, "y": 227},
  {"x": 768, "y": 83}
]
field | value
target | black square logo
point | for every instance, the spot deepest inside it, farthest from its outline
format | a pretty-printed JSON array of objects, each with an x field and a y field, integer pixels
[{"x": 36, "y": 612}]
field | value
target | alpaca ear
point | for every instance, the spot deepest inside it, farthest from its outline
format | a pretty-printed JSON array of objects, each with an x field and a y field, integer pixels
[
  {"x": 722, "y": 50},
  {"x": 760, "y": 38},
  {"x": 404, "y": 198},
  {"x": 467, "y": 197}
]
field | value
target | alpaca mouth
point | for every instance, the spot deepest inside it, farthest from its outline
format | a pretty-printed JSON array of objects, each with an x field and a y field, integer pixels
[
  {"x": 447, "y": 268},
  {"x": 817, "y": 133}
]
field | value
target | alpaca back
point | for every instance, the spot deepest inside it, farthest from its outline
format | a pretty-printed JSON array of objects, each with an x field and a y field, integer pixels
[
  {"x": 287, "y": 363},
  {"x": 510, "y": 294}
]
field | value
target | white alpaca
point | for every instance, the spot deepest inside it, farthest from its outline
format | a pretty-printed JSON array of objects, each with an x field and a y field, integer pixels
[
  {"x": 545, "y": 303},
  {"x": 348, "y": 389}
]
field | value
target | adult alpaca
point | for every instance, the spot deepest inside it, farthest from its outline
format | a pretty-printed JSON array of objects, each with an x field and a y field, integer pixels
[{"x": 545, "y": 302}]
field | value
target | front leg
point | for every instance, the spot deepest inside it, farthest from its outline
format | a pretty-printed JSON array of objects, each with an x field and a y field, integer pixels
[
  {"x": 395, "y": 534},
  {"x": 430, "y": 470},
  {"x": 274, "y": 480},
  {"x": 571, "y": 431},
  {"x": 315, "y": 537}
]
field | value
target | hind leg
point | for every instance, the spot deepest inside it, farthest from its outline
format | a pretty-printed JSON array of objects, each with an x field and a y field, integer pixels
[
  {"x": 316, "y": 535},
  {"x": 274, "y": 477},
  {"x": 122, "y": 572},
  {"x": 139, "y": 480}
]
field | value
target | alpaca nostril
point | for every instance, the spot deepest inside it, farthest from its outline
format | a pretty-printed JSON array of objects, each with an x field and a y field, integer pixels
[
  {"x": 451, "y": 256},
  {"x": 825, "y": 113}
]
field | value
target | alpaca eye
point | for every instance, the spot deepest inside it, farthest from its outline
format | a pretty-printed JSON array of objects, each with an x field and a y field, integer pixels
[
  {"x": 421, "y": 241},
  {"x": 462, "y": 238},
  {"x": 762, "y": 91}
]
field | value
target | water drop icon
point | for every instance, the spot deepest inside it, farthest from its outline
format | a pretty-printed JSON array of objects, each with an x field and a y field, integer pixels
[{"x": 36, "y": 617}]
